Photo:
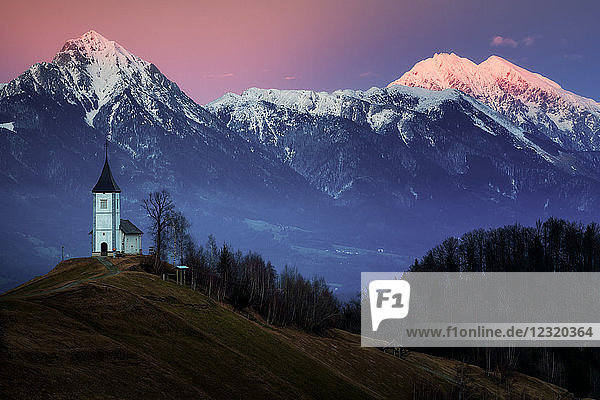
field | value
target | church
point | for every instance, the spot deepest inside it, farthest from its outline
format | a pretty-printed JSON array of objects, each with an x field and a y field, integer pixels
[{"x": 111, "y": 235}]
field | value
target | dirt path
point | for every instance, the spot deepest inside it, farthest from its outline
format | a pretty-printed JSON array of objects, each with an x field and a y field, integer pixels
[{"x": 111, "y": 271}]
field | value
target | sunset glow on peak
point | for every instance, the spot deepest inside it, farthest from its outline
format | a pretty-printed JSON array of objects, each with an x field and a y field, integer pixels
[{"x": 213, "y": 48}]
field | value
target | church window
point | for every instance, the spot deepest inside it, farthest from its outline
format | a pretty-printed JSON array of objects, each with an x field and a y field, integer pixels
[
  {"x": 117, "y": 204},
  {"x": 104, "y": 204}
]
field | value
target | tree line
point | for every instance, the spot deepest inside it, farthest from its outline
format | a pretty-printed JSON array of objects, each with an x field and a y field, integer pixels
[
  {"x": 245, "y": 281},
  {"x": 553, "y": 245},
  {"x": 248, "y": 282}
]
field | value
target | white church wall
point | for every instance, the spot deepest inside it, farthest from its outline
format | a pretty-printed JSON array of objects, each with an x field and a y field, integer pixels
[
  {"x": 105, "y": 213},
  {"x": 103, "y": 221},
  {"x": 132, "y": 244},
  {"x": 103, "y": 236}
]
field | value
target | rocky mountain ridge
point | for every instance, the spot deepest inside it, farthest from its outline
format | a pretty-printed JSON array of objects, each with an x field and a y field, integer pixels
[
  {"x": 531, "y": 101},
  {"x": 313, "y": 179}
]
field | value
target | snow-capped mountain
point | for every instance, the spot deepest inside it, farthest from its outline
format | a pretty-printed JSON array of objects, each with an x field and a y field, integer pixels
[
  {"x": 531, "y": 101},
  {"x": 100, "y": 73},
  {"x": 94, "y": 88},
  {"x": 418, "y": 145},
  {"x": 313, "y": 179}
]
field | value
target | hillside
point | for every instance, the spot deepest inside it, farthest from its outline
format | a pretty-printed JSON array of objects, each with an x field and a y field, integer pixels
[{"x": 88, "y": 330}]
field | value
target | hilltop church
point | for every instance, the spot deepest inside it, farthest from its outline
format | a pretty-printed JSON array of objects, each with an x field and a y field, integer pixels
[{"x": 111, "y": 235}]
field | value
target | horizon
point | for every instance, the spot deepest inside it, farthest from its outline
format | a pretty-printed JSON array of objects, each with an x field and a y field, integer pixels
[{"x": 225, "y": 48}]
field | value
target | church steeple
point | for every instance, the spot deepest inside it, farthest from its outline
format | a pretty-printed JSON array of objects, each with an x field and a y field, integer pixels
[{"x": 106, "y": 182}]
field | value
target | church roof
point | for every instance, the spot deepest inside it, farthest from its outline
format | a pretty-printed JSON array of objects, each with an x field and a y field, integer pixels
[
  {"x": 129, "y": 228},
  {"x": 106, "y": 182}
]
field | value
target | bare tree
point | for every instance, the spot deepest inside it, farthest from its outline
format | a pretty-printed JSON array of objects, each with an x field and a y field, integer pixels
[{"x": 159, "y": 208}]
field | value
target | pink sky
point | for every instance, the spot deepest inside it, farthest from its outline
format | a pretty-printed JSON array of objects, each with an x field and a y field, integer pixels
[{"x": 211, "y": 47}]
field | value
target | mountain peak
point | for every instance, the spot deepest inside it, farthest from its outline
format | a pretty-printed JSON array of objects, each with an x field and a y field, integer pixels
[
  {"x": 499, "y": 62},
  {"x": 92, "y": 47},
  {"x": 497, "y": 59},
  {"x": 523, "y": 96},
  {"x": 88, "y": 43},
  {"x": 442, "y": 71},
  {"x": 450, "y": 57},
  {"x": 94, "y": 37},
  {"x": 495, "y": 74},
  {"x": 101, "y": 67},
  {"x": 450, "y": 71}
]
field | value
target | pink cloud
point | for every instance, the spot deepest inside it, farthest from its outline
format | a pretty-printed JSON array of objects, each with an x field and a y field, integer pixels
[
  {"x": 367, "y": 74},
  {"x": 289, "y": 78},
  {"x": 223, "y": 75},
  {"x": 500, "y": 41},
  {"x": 528, "y": 41}
]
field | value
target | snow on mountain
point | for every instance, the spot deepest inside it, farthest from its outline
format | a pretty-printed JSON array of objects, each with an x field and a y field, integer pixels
[
  {"x": 108, "y": 68},
  {"x": 415, "y": 144},
  {"x": 535, "y": 103},
  {"x": 105, "y": 79},
  {"x": 381, "y": 109},
  {"x": 378, "y": 168},
  {"x": 95, "y": 88},
  {"x": 8, "y": 125},
  {"x": 109, "y": 90}
]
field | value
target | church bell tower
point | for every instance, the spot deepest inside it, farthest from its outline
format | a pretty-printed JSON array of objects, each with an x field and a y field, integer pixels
[{"x": 106, "y": 240}]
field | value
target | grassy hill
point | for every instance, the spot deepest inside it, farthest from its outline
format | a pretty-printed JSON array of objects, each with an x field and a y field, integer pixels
[{"x": 85, "y": 330}]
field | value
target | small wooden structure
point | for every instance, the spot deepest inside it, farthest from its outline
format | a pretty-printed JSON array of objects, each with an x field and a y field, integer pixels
[{"x": 180, "y": 274}]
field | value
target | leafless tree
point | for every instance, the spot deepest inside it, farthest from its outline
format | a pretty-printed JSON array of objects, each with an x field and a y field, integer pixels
[{"x": 159, "y": 208}]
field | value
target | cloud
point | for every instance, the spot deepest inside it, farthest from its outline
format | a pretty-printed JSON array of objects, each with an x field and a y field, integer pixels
[
  {"x": 217, "y": 76},
  {"x": 368, "y": 74},
  {"x": 528, "y": 41},
  {"x": 500, "y": 41},
  {"x": 290, "y": 78}
]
